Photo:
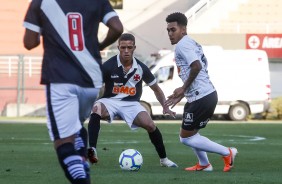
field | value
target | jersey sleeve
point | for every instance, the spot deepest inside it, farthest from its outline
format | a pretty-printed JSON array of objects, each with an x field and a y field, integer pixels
[
  {"x": 148, "y": 77},
  {"x": 107, "y": 12},
  {"x": 32, "y": 17}
]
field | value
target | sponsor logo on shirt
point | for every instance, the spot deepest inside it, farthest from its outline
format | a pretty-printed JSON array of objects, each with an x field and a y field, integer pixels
[{"x": 124, "y": 90}]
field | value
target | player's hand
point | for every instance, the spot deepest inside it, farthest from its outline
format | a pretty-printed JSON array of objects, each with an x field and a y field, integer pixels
[
  {"x": 178, "y": 92},
  {"x": 176, "y": 97},
  {"x": 166, "y": 110},
  {"x": 172, "y": 101}
]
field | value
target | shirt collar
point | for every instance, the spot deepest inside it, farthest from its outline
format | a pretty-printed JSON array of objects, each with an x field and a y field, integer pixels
[{"x": 134, "y": 65}]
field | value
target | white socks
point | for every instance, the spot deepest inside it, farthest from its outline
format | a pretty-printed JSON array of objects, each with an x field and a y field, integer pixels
[
  {"x": 202, "y": 157},
  {"x": 201, "y": 144}
]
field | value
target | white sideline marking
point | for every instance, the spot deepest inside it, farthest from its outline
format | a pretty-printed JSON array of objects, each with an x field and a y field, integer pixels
[
  {"x": 247, "y": 140},
  {"x": 120, "y": 142},
  {"x": 238, "y": 139},
  {"x": 250, "y": 138}
]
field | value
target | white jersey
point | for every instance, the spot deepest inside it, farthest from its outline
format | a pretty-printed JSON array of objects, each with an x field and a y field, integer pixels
[{"x": 186, "y": 52}]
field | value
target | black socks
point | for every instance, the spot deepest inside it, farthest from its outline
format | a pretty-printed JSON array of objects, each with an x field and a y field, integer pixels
[
  {"x": 157, "y": 141},
  {"x": 93, "y": 129}
]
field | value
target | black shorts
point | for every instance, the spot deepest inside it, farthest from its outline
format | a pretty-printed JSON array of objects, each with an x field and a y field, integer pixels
[{"x": 197, "y": 114}]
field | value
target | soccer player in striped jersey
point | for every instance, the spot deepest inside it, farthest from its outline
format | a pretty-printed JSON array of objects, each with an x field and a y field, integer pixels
[
  {"x": 71, "y": 70},
  {"x": 123, "y": 77}
]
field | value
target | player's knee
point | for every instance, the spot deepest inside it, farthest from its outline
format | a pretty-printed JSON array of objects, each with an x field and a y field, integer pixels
[
  {"x": 191, "y": 141},
  {"x": 184, "y": 140},
  {"x": 150, "y": 127},
  {"x": 181, "y": 139},
  {"x": 97, "y": 108}
]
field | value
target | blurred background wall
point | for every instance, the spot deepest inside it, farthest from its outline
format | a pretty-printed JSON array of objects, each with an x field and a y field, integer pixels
[{"x": 232, "y": 24}]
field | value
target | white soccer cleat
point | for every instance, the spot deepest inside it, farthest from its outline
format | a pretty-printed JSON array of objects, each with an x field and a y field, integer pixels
[{"x": 165, "y": 162}]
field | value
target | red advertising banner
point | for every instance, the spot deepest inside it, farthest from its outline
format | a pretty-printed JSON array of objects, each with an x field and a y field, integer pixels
[{"x": 271, "y": 43}]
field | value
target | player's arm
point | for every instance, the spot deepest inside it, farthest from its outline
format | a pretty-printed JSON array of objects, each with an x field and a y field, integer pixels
[
  {"x": 195, "y": 69},
  {"x": 115, "y": 30},
  {"x": 158, "y": 93},
  {"x": 178, "y": 93},
  {"x": 161, "y": 98},
  {"x": 31, "y": 39}
]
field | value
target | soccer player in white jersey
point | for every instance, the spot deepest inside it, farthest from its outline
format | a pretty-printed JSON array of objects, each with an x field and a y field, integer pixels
[
  {"x": 200, "y": 94},
  {"x": 71, "y": 71},
  {"x": 123, "y": 77}
]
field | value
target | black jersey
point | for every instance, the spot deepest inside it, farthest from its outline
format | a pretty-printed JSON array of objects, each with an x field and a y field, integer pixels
[
  {"x": 127, "y": 87},
  {"x": 70, "y": 41}
]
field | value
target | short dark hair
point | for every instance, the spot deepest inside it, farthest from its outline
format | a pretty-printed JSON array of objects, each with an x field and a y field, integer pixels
[
  {"x": 178, "y": 17},
  {"x": 126, "y": 36}
]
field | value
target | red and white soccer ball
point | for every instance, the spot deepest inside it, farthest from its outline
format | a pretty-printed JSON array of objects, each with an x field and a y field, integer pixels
[{"x": 131, "y": 160}]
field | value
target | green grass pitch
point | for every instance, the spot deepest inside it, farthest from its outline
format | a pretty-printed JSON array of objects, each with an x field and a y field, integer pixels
[{"x": 27, "y": 155}]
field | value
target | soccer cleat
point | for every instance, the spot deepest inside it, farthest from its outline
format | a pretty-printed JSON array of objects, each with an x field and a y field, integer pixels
[
  {"x": 229, "y": 159},
  {"x": 165, "y": 162},
  {"x": 199, "y": 167},
  {"x": 92, "y": 155}
]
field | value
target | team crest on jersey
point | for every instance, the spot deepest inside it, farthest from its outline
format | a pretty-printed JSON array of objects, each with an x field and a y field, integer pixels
[
  {"x": 136, "y": 77},
  {"x": 188, "y": 117}
]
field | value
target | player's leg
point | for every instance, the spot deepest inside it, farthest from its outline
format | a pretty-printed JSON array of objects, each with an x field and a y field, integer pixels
[
  {"x": 192, "y": 116},
  {"x": 203, "y": 163},
  {"x": 81, "y": 141},
  {"x": 63, "y": 127},
  {"x": 93, "y": 130},
  {"x": 204, "y": 144},
  {"x": 99, "y": 111},
  {"x": 144, "y": 120},
  {"x": 196, "y": 116},
  {"x": 86, "y": 97},
  {"x": 80, "y": 145},
  {"x": 136, "y": 116},
  {"x": 94, "y": 124},
  {"x": 71, "y": 162}
]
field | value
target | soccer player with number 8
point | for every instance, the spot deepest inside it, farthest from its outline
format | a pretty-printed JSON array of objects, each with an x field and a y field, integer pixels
[{"x": 71, "y": 70}]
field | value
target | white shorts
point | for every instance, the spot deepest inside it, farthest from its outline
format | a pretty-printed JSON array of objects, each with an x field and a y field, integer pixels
[
  {"x": 127, "y": 110},
  {"x": 68, "y": 106}
]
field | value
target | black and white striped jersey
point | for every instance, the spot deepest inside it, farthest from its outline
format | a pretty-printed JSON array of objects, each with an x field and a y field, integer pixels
[
  {"x": 125, "y": 86},
  {"x": 70, "y": 41}
]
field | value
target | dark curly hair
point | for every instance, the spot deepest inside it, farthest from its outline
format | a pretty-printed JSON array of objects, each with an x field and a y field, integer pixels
[{"x": 178, "y": 17}]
